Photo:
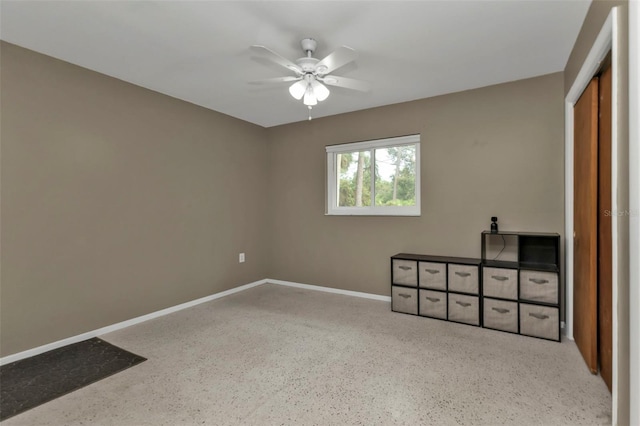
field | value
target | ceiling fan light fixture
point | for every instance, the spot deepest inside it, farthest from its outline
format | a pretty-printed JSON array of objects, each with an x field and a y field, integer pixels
[
  {"x": 298, "y": 89},
  {"x": 320, "y": 90},
  {"x": 310, "y": 97}
]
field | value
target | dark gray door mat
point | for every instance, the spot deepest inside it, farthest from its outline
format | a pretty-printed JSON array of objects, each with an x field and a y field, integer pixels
[{"x": 27, "y": 383}]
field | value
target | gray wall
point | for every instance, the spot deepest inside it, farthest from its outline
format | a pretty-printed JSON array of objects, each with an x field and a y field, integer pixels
[
  {"x": 495, "y": 151},
  {"x": 117, "y": 201},
  {"x": 597, "y": 14}
]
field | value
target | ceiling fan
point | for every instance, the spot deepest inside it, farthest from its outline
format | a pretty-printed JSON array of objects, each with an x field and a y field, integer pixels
[{"x": 312, "y": 76}]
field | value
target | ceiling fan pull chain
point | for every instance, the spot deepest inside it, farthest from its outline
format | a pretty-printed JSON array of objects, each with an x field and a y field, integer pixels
[{"x": 309, "y": 106}]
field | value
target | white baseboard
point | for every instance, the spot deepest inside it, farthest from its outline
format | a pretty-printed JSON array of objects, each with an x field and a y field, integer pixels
[
  {"x": 331, "y": 290},
  {"x": 118, "y": 326},
  {"x": 108, "y": 329}
]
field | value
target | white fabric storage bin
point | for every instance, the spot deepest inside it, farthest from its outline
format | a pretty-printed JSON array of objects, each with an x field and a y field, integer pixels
[
  {"x": 500, "y": 315},
  {"x": 540, "y": 321},
  {"x": 463, "y": 278},
  {"x": 539, "y": 286},
  {"x": 500, "y": 282},
  {"x": 405, "y": 272},
  {"x": 433, "y": 275},
  {"x": 404, "y": 300},
  {"x": 433, "y": 304},
  {"x": 463, "y": 308}
]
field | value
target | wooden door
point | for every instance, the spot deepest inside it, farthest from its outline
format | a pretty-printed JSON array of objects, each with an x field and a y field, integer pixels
[
  {"x": 604, "y": 229},
  {"x": 585, "y": 219}
]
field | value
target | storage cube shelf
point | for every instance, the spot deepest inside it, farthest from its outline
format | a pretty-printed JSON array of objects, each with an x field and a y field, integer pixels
[
  {"x": 531, "y": 284},
  {"x": 521, "y": 296},
  {"x": 439, "y": 287}
]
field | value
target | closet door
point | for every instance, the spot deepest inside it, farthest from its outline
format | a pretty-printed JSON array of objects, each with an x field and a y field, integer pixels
[{"x": 585, "y": 217}]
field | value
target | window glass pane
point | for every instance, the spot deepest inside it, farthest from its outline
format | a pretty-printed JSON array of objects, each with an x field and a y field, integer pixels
[
  {"x": 354, "y": 178},
  {"x": 395, "y": 183},
  {"x": 374, "y": 178}
]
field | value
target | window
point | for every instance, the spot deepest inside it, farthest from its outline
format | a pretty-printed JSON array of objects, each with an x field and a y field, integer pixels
[{"x": 380, "y": 177}]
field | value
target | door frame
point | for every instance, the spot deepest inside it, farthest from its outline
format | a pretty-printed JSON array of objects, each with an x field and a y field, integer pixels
[
  {"x": 634, "y": 206},
  {"x": 607, "y": 40}
]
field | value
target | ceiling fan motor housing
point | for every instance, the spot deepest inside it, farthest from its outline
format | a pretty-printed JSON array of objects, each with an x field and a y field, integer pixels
[
  {"x": 309, "y": 45},
  {"x": 308, "y": 65}
]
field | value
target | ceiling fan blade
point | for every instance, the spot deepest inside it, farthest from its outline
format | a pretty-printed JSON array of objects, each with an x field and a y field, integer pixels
[
  {"x": 274, "y": 57},
  {"x": 347, "y": 83},
  {"x": 341, "y": 56},
  {"x": 276, "y": 80}
]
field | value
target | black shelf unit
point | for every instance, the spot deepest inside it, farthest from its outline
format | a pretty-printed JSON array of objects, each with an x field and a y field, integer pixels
[
  {"x": 532, "y": 282},
  {"x": 414, "y": 288}
]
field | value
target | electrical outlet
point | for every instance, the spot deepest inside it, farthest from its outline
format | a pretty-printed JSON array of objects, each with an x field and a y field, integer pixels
[{"x": 241, "y": 258}]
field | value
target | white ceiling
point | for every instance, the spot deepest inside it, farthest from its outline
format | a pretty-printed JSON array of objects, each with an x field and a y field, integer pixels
[{"x": 199, "y": 51}]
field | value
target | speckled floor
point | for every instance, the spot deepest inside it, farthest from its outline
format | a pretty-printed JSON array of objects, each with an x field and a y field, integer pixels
[{"x": 280, "y": 355}]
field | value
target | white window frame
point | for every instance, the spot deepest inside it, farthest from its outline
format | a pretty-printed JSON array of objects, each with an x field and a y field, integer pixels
[{"x": 332, "y": 178}]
